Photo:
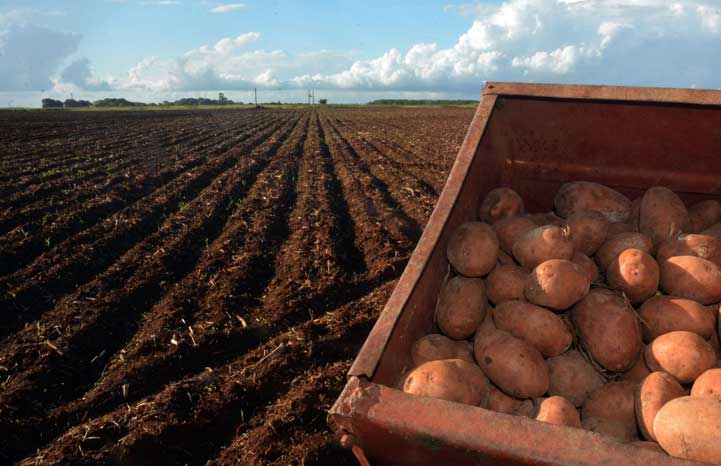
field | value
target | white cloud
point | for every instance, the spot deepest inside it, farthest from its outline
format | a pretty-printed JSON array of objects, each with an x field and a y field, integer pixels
[
  {"x": 81, "y": 75},
  {"x": 30, "y": 56},
  {"x": 226, "y": 8}
]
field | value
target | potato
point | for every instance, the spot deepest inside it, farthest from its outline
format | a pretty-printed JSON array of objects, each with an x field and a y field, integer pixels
[
  {"x": 584, "y": 195},
  {"x": 612, "y": 401},
  {"x": 645, "y": 444},
  {"x": 616, "y": 244},
  {"x": 557, "y": 284},
  {"x": 655, "y": 391},
  {"x": 664, "y": 314},
  {"x": 638, "y": 372},
  {"x": 546, "y": 331},
  {"x": 690, "y": 427},
  {"x": 461, "y": 307},
  {"x": 662, "y": 215},
  {"x": 635, "y": 213},
  {"x": 608, "y": 329},
  {"x": 502, "y": 403},
  {"x": 505, "y": 259},
  {"x": 708, "y": 384},
  {"x": 558, "y": 410},
  {"x": 449, "y": 379},
  {"x": 541, "y": 244},
  {"x": 635, "y": 273},
  {"x": 473, "y": 249},
  {"x": 544, "y": 218},
  {"x": 588, "y": 231},
  {"x": 693, "y": 278},
  {"x": 703, "y": 246},
  {"x": 610, "y": 428},
  {"x": 620, "y": 227},
  {"x": 704, "y": 214},
  {"x": 505, "y": 283},
  {"x": 509, "y": 229},
  {"x": 684, "y": 355},
  {"x": 714, "y": 230},
  {"x": 587, "y": 265},
  {"x": 514, "y": 365},
  {"x": 572, "y": 377},
  {"x": 436, "y": 346},
  {"x": 500, "y": 203}
]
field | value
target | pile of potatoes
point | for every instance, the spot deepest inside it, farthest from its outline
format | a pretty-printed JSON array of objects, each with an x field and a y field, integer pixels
[{"x": 601, "y": 315}]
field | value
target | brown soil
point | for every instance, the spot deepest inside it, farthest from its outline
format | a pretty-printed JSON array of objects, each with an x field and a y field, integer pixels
[{"x": 191, "y": 287}]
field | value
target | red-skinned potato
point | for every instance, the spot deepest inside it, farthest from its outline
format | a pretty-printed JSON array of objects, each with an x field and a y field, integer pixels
[
  {"x": 708, "y": 383},
  {"x": 684, "y": 355},
  {"x": 610, "y": 428},
  {"x": 704, "y": 214},
  {"x": 505, "y": 259},
  {"x": 512, "y": 364},
  {"x": 558, "y": 410},
  {"x": 505, "y": 283},
  {"x": 662, "y": 215},
  {"x": 449, "y": 379},
  {"x": 572, "y": 377},
  {"x": 693, "y": 278},
  {"x": 637, "y": 372},
  {"x": 664, "y": 314},
  {"x": 646, "y": 445},
  {"x": 620, "y": 227},
  {"x": 608, "y": 329},
  {"x": 587, "y": 264},
  {"x": 500, "y": 203},
  {"x": 689, "y": 426},
  {"x": 703, "y": 246},
  {"x": 436, "y": 346},
  {"x": 541, "y": 244},
  {"x": 544, "y": 218},
  {"x": 510, "y": 229},
  {"x": 461, "y": 307},
  {"x": 473, "y": 249},
  {"x": 546, "y": 331},
  {"x": 615, "y": 245},
  {"x": 655, "y": 391},
  {"x": 584, "y": 195},
  {"x": 557, "y": 284},
  {"x": 502, "y": 403},
  {"x": 612, "y": 401},
  {"x": 713, "y": 230},
  {"x": 635, "y": 273},
  {"x": 588, "y": 230}
]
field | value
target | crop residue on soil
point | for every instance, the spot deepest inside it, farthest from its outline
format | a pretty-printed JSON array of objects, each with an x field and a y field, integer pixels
[{"x": 190, "y": 287}]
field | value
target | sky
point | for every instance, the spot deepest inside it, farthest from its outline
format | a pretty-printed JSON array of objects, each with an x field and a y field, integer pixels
[{"x": 349, "y": 51}]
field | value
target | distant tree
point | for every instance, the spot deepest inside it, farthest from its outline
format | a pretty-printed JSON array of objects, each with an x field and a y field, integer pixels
[
  {"x": 222, "y": 100},
  {"x": 72, "y": 103},
  {"x": 323, "y": 101},
  {"x": 117, "y": 103},
  {"x": 52, "y": 103}
]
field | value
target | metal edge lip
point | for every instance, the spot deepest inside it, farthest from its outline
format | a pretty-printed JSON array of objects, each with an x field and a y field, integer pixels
[
  {"x": 598, "y": 92},
  {"x": 368, "y": 357}
]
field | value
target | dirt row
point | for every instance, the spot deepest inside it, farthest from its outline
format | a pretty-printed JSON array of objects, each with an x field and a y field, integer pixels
[{"x": 211, "y": 318}]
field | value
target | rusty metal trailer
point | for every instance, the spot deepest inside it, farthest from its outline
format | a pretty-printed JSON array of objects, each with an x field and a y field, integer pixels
[{"x": 533, "y": 138}]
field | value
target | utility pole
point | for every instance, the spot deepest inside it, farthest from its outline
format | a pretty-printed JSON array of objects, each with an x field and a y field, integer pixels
[
  {"x": 255, "y": 92},
  {"x": 313, "y": 97}
]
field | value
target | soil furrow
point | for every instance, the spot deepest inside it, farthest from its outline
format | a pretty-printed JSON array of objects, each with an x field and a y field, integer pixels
[{"x": 34, "y": 289}]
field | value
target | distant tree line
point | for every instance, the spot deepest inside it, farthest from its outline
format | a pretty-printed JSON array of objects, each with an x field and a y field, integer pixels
[
  {"x": 72, "y": 103},
  {"x": 421, "y": 102}
]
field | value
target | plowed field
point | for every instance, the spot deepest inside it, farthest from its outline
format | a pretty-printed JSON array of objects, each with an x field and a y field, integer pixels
[{"x": 190, "y": 287}]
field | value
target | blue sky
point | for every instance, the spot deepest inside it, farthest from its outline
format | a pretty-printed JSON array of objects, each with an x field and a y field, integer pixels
[{"x": 350, "y": 51}]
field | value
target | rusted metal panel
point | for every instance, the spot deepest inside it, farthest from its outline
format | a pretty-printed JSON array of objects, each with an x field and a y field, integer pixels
[
  {"x": 394, "y": 428},
  {"x": 621, "y": 93},
  {"x": 532, "y": 138}
]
